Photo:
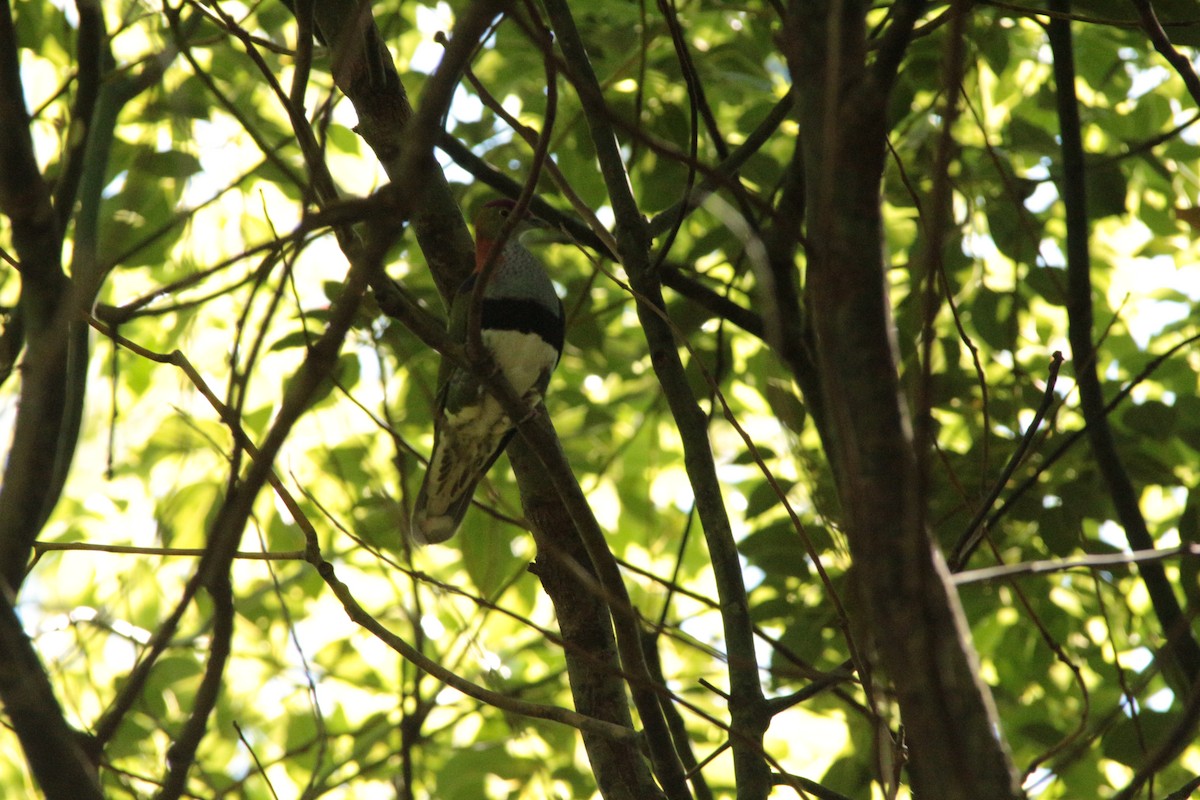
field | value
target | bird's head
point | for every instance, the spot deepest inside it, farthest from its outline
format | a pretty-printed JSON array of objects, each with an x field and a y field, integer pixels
[{"x": 490, "y": 222}]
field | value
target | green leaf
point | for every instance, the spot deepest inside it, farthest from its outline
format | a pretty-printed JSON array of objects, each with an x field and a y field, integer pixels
[
  {"x": 1151, "y": 418},
  {"x": 1048, "y": 283},
  {"x": 1129, "y": 740},
  {"x": 786, "y": 405},
  {"x": 167, "y": 163},
  {"x": 764, "y": 497},
  {"x": 776, "y": 548},
  {"x": 1106, "y": 191}
]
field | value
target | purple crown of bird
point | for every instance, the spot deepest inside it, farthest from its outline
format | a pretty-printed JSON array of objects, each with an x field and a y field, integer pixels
[{"x": 522, "y": 327}]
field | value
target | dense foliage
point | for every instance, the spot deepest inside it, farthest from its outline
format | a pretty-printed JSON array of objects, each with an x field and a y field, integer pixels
[{"x": 212, "y": 261}]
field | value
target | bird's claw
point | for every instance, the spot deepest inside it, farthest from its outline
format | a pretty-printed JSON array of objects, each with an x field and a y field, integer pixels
[{"x": 533, "y": 401}]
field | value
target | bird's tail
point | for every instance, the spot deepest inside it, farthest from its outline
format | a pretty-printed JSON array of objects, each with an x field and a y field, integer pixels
[
  {"x": 448, "y": 487},
  {"x": 430, "y": 527}
]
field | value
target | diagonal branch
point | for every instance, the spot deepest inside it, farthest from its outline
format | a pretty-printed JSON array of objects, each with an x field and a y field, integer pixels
[
  {"x": 1162, "y": 43},
  {"x": 51, "y": 747},
  {"x": 748, "y": 711},
  {"x": 1181, "y": 646},
  {"x": 973, "y": 534}
]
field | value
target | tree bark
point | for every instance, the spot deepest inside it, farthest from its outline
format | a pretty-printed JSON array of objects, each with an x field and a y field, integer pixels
[
  {"x": 911, "y": 611},
  {"x": 26, "y": 495},
  {"x": 583, "y": 620}
]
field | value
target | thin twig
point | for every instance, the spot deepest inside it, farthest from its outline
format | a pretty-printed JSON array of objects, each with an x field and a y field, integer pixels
[
  {"x": 257, "y": 763},
  {"x": 1005, "y": 572},
  {"x": 164, "y": 552},
  {"x": 975, "y": 531}
]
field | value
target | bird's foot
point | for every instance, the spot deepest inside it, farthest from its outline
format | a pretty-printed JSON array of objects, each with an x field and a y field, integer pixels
[{"x": 533, "y": 402}]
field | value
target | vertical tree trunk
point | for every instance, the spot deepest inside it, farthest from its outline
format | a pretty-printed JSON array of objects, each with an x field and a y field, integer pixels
[{"x": 911, "y": 611}]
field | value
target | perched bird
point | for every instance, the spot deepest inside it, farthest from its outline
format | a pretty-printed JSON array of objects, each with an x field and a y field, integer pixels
[{"x": 522, "y": 327}]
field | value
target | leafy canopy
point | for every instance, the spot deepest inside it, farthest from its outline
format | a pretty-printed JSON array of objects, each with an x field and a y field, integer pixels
[{"x": 201, "y": 221}]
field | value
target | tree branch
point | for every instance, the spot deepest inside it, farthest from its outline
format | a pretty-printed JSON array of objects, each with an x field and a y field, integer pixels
[
  {"x": 584, "y": 620},
  {"x": 1162, "y": 43},
  {"x": 44, "y": 306},
  {"x": 162, "y": 552},
  {"x": 973, "y": 534},
  {"x": 52, "y": 748},
  {"x": 1105, "y": 561},
  {"x": 1181, "y": 646},
  {"x": 1181, "y": 649},
  {"x": 910, "y": 606},
  {"x": 748, "y": 713},
  {"x": 707, "y": 298}
]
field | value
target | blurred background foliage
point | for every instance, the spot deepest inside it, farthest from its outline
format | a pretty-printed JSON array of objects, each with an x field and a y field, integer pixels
[{"x": 202, "y": 189}]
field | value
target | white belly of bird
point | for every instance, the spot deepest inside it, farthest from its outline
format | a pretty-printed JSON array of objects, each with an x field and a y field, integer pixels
[{"x": 523, "y": 357}]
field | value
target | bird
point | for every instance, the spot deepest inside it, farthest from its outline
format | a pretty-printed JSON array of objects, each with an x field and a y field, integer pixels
[{"x": 522, "y": 327}]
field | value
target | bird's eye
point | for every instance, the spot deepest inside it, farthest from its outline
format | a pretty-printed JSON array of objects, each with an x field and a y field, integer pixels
[{"x": 504, "y": 212}]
